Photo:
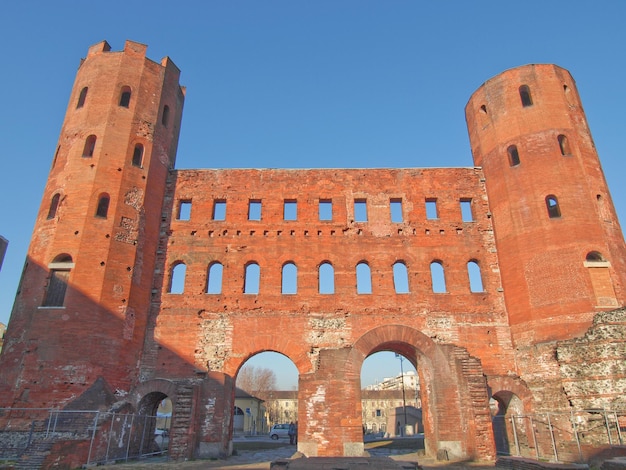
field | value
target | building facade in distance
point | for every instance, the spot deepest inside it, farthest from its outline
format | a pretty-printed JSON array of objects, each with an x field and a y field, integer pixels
[{"x": 501, "y": 281}]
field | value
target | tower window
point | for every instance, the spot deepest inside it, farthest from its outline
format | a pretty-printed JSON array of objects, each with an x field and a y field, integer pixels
[
  {"x": 513, "y": 155},
  {"x": 166, "y": 115},
  {"x": 326, "y": 278},
  {"x": 90, "y": 146},
  {"x": 54, "y": 204},
  {"x": 400, "y": 278},
  {"x": 431, "y": 209},
  {"x": 81, "y": 98},
  {"x": 184, "y": 210},
  {"x": 437, "y": 277},
  {"x": 252, "y": 279},
  {"x": 363, "y": 278},
  {"x": 395, "y": 207},
  {"x": 524, "y": 93},
  {"x": 552, "y": 204},
  {"x": 219, "y": 209},
  {"x": 58, "y": 280},
  {"x": 289, "y": 278},
  {"x": 138, "y": 156},
  {"x": 475, "y": 278},
  {"x": 326, "y": 209},
  {"x": 177, "y": 278},
  {"x": 214, "y": 278},
  {"x": 466, "y": 210},
  {"x": 125, "y": 97},
  {"x": 103, "y": 206},
  {"x": 564, "y": 145},
  {"x": 254, "y": 209},
  {"x": 290, "y": 209},
  {"x": 360, "y": 210}
]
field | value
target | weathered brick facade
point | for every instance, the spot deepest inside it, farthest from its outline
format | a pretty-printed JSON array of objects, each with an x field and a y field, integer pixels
[{"x": 543, "y": 232}]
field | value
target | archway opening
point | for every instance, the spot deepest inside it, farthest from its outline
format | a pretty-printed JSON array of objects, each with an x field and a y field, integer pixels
[
  {"x": 155, "y": 411},
  {"x": 266, "y": 396},
  {"x": 508, "y": 421},
  {"x": 390, "y": 394}
]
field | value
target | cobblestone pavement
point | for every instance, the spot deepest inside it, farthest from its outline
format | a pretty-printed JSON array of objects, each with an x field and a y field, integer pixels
[{"x": 261, "y": 460}]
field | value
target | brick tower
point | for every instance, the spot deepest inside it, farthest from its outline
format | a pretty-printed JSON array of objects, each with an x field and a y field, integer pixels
[
  {"x": 81, "y": 309},
  {"x": 560, "y": 247}
]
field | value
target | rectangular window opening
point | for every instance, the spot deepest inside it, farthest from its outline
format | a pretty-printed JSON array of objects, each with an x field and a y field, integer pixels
[
  {"x": 326, "y": 209},
  {"x": 291, "y": 209},
  {"x": 466, "y": 210},
  {"x": 431, "y": 209},
  {"x": 219, "y": 209},
  {"x": 360, "y": 210},
  {"x": 184, "y": 210},
  {"x": 254, "y": 209},
  {"x": 395, "y": 205}
]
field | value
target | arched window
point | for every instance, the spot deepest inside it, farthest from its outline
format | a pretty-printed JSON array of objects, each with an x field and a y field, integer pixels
[
  {"x": 513, "y": 155},
  {"x": 524, "y": 93},
  {"x": 214, "y": 278},
  {"x": 81, "y": 98},
  {"x": 363, "y": 278},
  {"x": 103, "y": 205},
  {"x": 125, "y": 97},
  {"x": 90, "y": 146},
  {"x": 252, "y": 279},
  {"x": 289, "y": 279},
  {"x": 437, "y": 277},
  {"x": 138, "y": 155},
  {"x": 564, "y": 145},
  {"x": 54, "y": 205},
  {"x": 58, "y": 280},
  {"x": 552, "y": 204},
  {"x": 400, "y": 278},
  {"x": 166, "y": 115},
  {"x": 475, "y": 278},
  {"x": 326, "y": 278},
  {"x": 177, "y": 278}
]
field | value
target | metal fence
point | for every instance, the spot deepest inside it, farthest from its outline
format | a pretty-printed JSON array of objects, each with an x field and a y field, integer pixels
[
  {"x": 100, "y": 436},
  {"x": 559, "y": 437}
]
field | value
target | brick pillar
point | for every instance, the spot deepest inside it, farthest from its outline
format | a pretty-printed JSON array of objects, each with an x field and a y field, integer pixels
[
  {"x": 213, "y": 414},
  {"x": 329, "y": 410}
]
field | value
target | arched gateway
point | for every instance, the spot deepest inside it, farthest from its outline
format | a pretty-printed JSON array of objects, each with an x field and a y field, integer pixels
[{"x": 169, "y": 287}]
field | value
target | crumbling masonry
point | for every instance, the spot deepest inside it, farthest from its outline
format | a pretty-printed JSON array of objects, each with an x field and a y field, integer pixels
[{"x": 144, "y": 282}]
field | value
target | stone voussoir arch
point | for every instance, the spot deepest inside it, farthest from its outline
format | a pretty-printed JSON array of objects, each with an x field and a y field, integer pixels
[{"x": 164, "y": 386}]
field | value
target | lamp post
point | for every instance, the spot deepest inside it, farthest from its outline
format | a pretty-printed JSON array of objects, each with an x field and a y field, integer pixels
[{"x": 403, "y": 396}]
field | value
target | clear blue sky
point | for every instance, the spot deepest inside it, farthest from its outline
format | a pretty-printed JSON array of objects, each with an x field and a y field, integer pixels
[{"x": 341, "y": 83}]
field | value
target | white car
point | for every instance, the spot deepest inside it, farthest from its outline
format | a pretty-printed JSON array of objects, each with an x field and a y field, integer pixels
[{"x": 279, "y": 430}]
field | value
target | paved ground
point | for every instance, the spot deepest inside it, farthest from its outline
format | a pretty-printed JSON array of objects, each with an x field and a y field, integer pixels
[{"x": 261, "y": 460}]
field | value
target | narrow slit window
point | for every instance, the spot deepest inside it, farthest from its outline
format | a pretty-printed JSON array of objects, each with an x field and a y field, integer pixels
[
  {"x": 363, "y": 278},
  {"x": 438, "y": 278},
  {"x": 326, "y": 278},
  {"x": 466, "y": 210},
  {"x": 552, "y": 204},
  {"x": 289, "y": 279},
  {"x": 395, "y": 207},
  {"x": 214, "y": 278},
  {"x": 54, "y": 205},
  {"x": 90, "y": 146},
  {"x": 184, "y": 210},
  {"x": 524, "y": 93},
  {"x": 125, "y": 97},
  {"x": 103, "y": 206},
  {"x": 326, "y": 209},
  {"x": 138, "y": 156},
  {"x": 219, "y": 209},
  {"x": 400, "y": 278},
  {"x": 431, "y": 209},
  {"x": 254, "y": 209},
  {"x": 166, "y": 115},
  {"x": 564, "y": 146},
  {"x": 177, "y": 278},
  {"x": 475, "y": 278},
  {"x": 513, "y": 155},
  {"x": 252, "y": 279},
  {"x": 290, "y": 209},
  {"x": 81, "y": 98},
  {"x": 360, "y": 210}
]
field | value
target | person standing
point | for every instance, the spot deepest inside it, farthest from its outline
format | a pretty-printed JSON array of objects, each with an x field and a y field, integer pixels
[{"x": 292, "y": 433}]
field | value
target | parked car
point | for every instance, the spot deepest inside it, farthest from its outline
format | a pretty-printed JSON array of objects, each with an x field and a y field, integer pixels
[{"x": 279, "y": 430}]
